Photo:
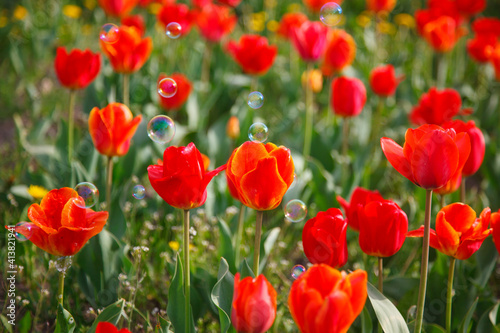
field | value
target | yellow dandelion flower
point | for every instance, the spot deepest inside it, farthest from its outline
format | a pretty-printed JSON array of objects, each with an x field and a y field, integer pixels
[
  {"x": 174, "y": 245},
  {"x": 90, "y": 4},
  {"x": 37, "y": 192},
  {"x": 363, "y": 20},
  {"x": 405, "y": 20},
  {"x": 257, "y": 22},
  {"x": 387, "y": 28},
  {"x": 20, "y": 13},
  {"x": 273, "y": 25},
  {"x": 192, "y": 247},
  {"x": 72, "y": 11}
]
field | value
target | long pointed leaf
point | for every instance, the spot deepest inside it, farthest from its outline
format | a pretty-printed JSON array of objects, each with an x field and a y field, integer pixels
[{"x": 387, "y": 314}]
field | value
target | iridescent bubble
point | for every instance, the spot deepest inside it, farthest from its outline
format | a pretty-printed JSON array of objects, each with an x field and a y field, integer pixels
[
  {"x": 258, "y": 132},
  {"x": 330, "y": 13},
  {"x": 255, "y": 100},
  {"x": 24, "y": 230},
  {"x": 295, "y": 210},
  {"x": 109, "y": 33},
  {"x": 297, "y": 271},
  {"x": 161, "y": 129},
  {"x": 88, "y": 193},
  {"x": 139, "y": 192},
  {"x": 167, "y": 87},
  {"x": 63, "y": 263},
  {"x": 174, "y": 30}
]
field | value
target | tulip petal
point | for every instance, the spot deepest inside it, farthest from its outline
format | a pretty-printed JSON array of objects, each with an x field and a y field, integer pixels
[
  {"x": 448, "y": 237},
  {"x": 335, "y": 316},
  {"x": 434, "y": 243},
  {"x": 53, "y": 204},
  {"x": 463, "y": 143},
  {"x": 460, "y": 215},
  {"x": 395, "y": 155},
  {"x": 246, "y": 157},
  {"x": 73, "y": 216},
  {"x": 358, "y": 285},
  {"x": 285, "y": 163}
]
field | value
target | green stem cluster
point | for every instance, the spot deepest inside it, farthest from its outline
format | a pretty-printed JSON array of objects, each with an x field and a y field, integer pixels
[
  {"x": 449, "y": 297},
  {"x": 258, "y": 234},
  {"x": 187, "y": 279}
]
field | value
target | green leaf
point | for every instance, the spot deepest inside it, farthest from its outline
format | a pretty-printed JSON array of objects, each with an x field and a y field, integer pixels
[
  {"x": 116, "y": 223},
  {"x": 226, "y": 249},
  {"x": 65, "y": 322},
  {"x": 222, "y": 295},
  {"x": 5, "y": 322},
  {"x": 434, "y": 328},
  {"x": 269, "y": 241},
  {"x": 466, "y": 323},
  {"x": 112, "y": 314},
  {"x": 387, "y": 314},
  {"x": 493, "y": 314},
  {"x": 366, "y": 321},
  {"x": 177, "y": 299},
  {"x": 245, "y": 269},
  {"x": 25, "y": 323},
  {"x": 163, "y": 326}
]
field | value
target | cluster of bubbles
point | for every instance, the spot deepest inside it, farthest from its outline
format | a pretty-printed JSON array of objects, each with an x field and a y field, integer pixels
[
  {"x": 88, "y": 193},
  {"x": 24, "y": 230},
  {"x": 295, "y": 210},
  {"x": 330, "y": 14},
  {"x": 297, "y": 271},
  {"x": 167, "y": 87},
  {"x": 109, "y": 33},
  {"x": 161, "y": 129},
  {"x": 174, "y": 30},
  {"x": 255, "y": 100},
  {"x": 139, "y": 192},
  {"x": 258, "y": 132}
]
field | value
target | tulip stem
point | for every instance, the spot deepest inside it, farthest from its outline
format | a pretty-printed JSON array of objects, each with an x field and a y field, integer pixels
[
  {"x": 462, "y": 190},
  {"x": 205, "y": 66},
  {"x": 441, "y": 201},
  {"x": 256, "y": 249},
  {"x": 441, "y": 70},
  {"x": 309, "y": 116},
  {"x": 380, "y": 274},
  {"x": 109, "y": 182},
  {"x": 425, "y": 263},
  {"x": 254, "y": 83},
  {"x": 60, "y": 290},
  {"x": 449, "y": 296},
  {"x": 126, "y": 87},
  {"x": 71, "y": 124},
  {"x": 377, "y": 118},
  {"x": 239, "y": 235},
  {"x": 187, "y": 279}
]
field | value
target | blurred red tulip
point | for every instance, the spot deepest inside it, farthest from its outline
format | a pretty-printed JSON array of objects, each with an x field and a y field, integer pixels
[
  {"x": 289, "y": 22},
  {"x": 377, "y": 6},
  {"x": 328, "y": 301},
  {"x": 259, "y": 174},
  {"x": 254, "y": 304},
  {"x": 324, "y": 238},
  {"x": 105, "y": 327},
  {"x": 315, "y": 5},
  {"x": 487, "y": 25},
  {"x": 129, "y": 53},
  {"x": 495, "y": 226},
  {"x": 359, "y": 198},
  {"x": 310, "y": 40},
  {"x": 340, "y": 52},
  {"x": 442, "y": 33},
  {"x": 253, "y": 54},
  {"x": 431, "y": 155},
  {"x": 436, "y": 107},
  {"x": 60, "y": 226},
  {"x": 470, "y": 7},
  {"x": 348, "y": 96},
  {"x": 479, "y": 48},
  {"x": 458, "y": 232},
  {"x": 184, "y": 88},
  {"x": 230, "y": 3},
  {"x": 182, "y": 180},
  {"x": 437, "y": 9},
  {"x": 176, "y": 12},
  {"x": 136, "y": 21},
  {"x": 117, "y": 8},
  {"x": 233, "y": 128},
  {"x": 383, "y": 80},
  {"x": 77, "y": 69},
  {"x": 200, "y": 3},
  {"x": 214, "y": 21},
  {"x": 494, "y": 55}
]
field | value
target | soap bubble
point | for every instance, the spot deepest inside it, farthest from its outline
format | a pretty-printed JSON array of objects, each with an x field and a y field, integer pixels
[
  {"x": 109, "y": 33},
  {"x": 258, "y": 132},
  {"x": 295, "y": 210},
  {"x": 167, "y": 87},
  {"x": 89, "y": 194},
  {"x": 330, "y": 13},
  {"x": 24, "y": 230},
  {"x": 255, "y": 100},
  {"x": 139, "y": 192},
  {"x": 297, "y": 271},
  {"x": 161, "y": 129},
  {"x": 173, "y": 30}
]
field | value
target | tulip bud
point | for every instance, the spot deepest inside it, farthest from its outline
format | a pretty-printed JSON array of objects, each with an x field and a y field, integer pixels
[
  {"x": 314, "y": 79},
  {"x": 233, "y": 128}
]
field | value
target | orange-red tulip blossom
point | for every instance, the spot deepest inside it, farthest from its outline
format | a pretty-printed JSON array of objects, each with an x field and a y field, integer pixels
[
  {"x": 288, "y": 22},
  {"x": 184, "y": 88},
  {"x": 259, "y": 174},
  {"x": 359, "y": 198},
  {"x": 348, "y": 96},
  {"x": 176, "y": 12},
  {"x": 315, "y": 5},
  {"x": 495, "y": 226},
  {"x": 458, "y": 232},
  {"x": 326, "y": 300},
  {"x": 442, "y": 33},
  {"x": 377, "y": 6},
  {"x": 436, "y": 107},
  {"x": 215, "y": 22},
  {"x": 340, "y": 52},
  {"x": 77, "y": 69},
  {"x": 118, "y": 8},
  {"x": 253, "y": 54},
  {"x": 136, "y": 21},
  {"x": 112, "y": 128},
  {"x": 383, "y": 80},
  {"x": 254, "y": 304},
  {"x": 182, "y": 179},
  {"x": 105, "y": 327},
  {"x": 431, "y": 155},
  {"x": 310, "y": 40}
]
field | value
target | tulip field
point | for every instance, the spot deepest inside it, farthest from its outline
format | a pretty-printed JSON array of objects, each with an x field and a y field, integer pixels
[{"x": 245, "y": 166}]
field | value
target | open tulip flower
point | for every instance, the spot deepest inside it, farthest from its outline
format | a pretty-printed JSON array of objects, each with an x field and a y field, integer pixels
[
  {"x": 359, "y": 198},
  {"x": 176, "y": 12},
  {"x": 487, "y": 33},
  {"x": 340, "y": 52},
  {"x": 495, "y": 227},
  {"x": 105, "y": 327},
  {"x": 118, "y": 8},
  {"x": 253, "y": 54},
  {"x": 76, "y": 69},
  {"x": 259, "y": 174},
  {"x": 289, "y": 22},
  {"x": 458, "y": 232},
  {"x": 61, "y": 226},
  {"x": 215, "y": 22},
  {"x": 328, "y": 301},
  {"x": 436, "y": 107}
]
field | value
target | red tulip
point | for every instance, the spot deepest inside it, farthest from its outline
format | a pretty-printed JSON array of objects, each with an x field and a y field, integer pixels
[
  {"x": 60, "y": 226},
  {"x": 253, "y": 54},
  {"x": 136, "y": 21},
  {"x": 377, "y": 6},
  {"x": 326, "y": 300},
  {"x": 200, "y": 3},
  {"x": 254, "y": 304},
  {"x": 437, "y": 9},
  {"x": 359, "y": 198},
  {"x": 315, "y": 5},
  {"x": 470, "y": 7},
  {"x": 348, "y": 96},
  {"x": 436, "y": 107},
  {"x": 105, "y": 327},
  {"x": 494, "y": 54},
  {"x": 442, "y": 33},
  {"x": 431, "y": 155},
  {"x": 118, "y": 8},
  {"x": 176, "y": 12},
  {"x": 479, "y": 48},
  {"x": 383, "y": 80},
  {"x": 289, "y": 22},
  {"x": 458, "y": 233},
  {"x": 230, "y": 3},
  {"x": 340, "y": 52},
  {"x": 487, "y": 25},
  {"x": 310, "y": 40},
  {"x": 77, "y": 69},
  {"x": 129, "y": 53},
  {"x": 324, "y": 238},
  {"x": 451, "y": 186},
  {"x": 259, "y": 174},
  {"x": 182, "y": 180},
  {"x": 214, "y": 21},
  {"x": 382, "y": 228},
  {"x": 184, "y": 88},
  {"x": 495, "y": 226},
  {"x": 112, "y": 128}
]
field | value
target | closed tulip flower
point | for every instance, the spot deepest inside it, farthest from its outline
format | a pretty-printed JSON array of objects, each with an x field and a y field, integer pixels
[
  {"x": 382, "y": 228},
  {"x": 105, "y": 327},
  {"x": 458, "y": 232},
  {"x": 451, "y": 186},
  {"x": 136, "y": 21},
  {"x": 378, "y": 6},
  {"x": 259, "y": 174},
  {"x": 176, "y": 12},
  {"x": 253, "y": 54},
  {"x": 436, "y": 107},
  {"x": 495, "y": 226},
  {"x": 77, "y": 69},
  {"x": 59, "y": 225},
  {"x": 348, "y": 96},
  {"x": 310, "y": 40},
  {"x": 442, "y": 33},
  {"x": 340, "y": 52},
  {"x": 359, "y": 198},
  {"x": 129, "y": 53},
  {"x": 112, "y": 128},
  {"x": 254, "y": 304},
  {"x": 383, "y": 80},
  {"x": 315, "y": 5},
  {"x": 289, "y": 22},
  {"x": 431, "y": 155},
  {"x": 215, "y": 22},
  {"x": 184, "y": 88},
  {"x": 182, "y": 180},
  {"x": 324, "y": 238},
  {"x": 233, "y": 128},
  {"x": 118, "y": 8},
  {"x": 326, "y": 300}
]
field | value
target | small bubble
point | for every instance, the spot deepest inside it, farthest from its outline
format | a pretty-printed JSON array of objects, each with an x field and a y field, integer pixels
[
  {"x": 297, "y": 271},
  {"x": 258, "y": 132},
  {"x": 330, "y": 13},
  {"x": 139, "y": 192},
  {"x": 88, "y": 193},
  {"x": 255, "y": 100},
  {"x": 161, "y": 129},
  {"x": 24, "y": 230},
  {"x": 174, "y": 30},
  {"x": 63, "y": 263},
  {"x": 167, "y": 87},
  {"x": 109, "y": 33},
  {"x": 295, "y": 210}
]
